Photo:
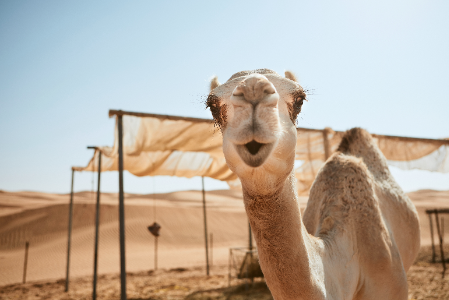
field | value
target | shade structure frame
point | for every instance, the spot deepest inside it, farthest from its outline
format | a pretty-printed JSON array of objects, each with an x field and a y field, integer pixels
[
  {"x": 189, "y": 147},
  {"x": 318, "y": 148}
]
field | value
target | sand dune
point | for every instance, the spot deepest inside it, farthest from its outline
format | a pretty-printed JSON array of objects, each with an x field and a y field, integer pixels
[{"x": 42, "y": 219}]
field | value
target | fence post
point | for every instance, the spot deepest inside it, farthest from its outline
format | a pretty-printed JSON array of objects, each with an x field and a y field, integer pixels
[
  {"x": 97, "y": 225},
  {"x": 205, "y": 227},
  {"x": 121, "y": 209},
  {"x": 327, "y": 150},
  {"x": 27, "y": 244},
  {"x": 431, "y": 235},
  {"x": 441, "y": 242},
  {"x": 211, "y": 249},
  {"x": 155, "y": 252},
  {"x": 69, "y": 238}
]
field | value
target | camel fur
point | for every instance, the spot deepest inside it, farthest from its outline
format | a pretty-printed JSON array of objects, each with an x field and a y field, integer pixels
[{"x": 360, "y": 232}]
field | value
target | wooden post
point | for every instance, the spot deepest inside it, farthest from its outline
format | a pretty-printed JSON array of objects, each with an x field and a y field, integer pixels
[
  {"x": 211, "y": 250},
  {"x": 27, "y": 244},
  {"x": 250, "y": 251},
  {"x": 229, "y": 267},
  {"x": 327, "y": 150},
  {"x": 431, "y": 236},
  {"x": 441, "y": 242},
  {"x": 69, "y": 234},
  {"x": 250, "y": 237},
  {"x": 97, "y": 225},
  {"x": 205, "y": 226},
  {"x": 121, "y": 209},
  {"x": 155, "y": 253}
]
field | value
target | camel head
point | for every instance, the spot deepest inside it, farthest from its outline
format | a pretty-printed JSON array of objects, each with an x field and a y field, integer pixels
[{"x": 256, "y": 112}]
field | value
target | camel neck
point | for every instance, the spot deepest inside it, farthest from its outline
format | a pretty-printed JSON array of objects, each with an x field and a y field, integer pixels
[{"x": 283, "y": 243}]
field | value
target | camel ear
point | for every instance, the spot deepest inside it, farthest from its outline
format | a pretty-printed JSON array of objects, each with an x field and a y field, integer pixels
[
  {"x": 291, "y": 76},
  {"x": 214, "y": 83}
]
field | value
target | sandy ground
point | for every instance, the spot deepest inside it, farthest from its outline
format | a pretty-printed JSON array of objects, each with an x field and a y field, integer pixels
[
  {"x": 424, "y": 280},
  {"x": 42, "y": 220}
]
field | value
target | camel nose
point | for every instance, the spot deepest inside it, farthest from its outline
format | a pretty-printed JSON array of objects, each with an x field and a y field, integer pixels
[{"x": 255, "y": 89}]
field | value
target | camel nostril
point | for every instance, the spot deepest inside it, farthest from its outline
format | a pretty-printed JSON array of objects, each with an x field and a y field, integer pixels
[
  {"x": 253, "y": 147},
  {"x": 269, "y": 90}
]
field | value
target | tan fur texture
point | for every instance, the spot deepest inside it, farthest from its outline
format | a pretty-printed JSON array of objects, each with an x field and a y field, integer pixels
[{"x": 360, "y": 232}]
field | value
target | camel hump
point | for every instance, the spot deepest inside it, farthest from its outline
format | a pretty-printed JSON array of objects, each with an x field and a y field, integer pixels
[
  {"x": 354, "y": 138},
  {"x": 359, "y": 143},
  {"x": 341, "y": 185}
]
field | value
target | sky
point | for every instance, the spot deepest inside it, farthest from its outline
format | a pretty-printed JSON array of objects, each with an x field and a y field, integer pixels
[{"x": 380, "y": 65}]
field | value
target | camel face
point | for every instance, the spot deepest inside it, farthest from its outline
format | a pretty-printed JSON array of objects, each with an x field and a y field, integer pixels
[
  {"x": 256, "y": 111},
  {"x": 254, "y": 126}
]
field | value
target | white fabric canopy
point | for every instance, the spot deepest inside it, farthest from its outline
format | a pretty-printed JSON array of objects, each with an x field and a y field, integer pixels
[
  {"x": 402, "y": 152},
  {"x": 188, "y": 147}
]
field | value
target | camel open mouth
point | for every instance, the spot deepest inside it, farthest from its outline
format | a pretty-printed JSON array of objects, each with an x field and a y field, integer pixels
[
  {"x": 253, "y": 147},
  {"x": 254, "y": 153}
]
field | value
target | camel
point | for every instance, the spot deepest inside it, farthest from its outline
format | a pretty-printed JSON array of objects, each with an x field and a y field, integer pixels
[{"x": 360, "y": 232}]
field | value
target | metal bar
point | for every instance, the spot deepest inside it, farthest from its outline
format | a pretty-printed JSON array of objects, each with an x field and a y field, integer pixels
[
  {"x": 441, "y": 242},
  {"x": 27, "y": 244},
  {"x": 113, "y": 112},
  {"x": 69, "y": 237},
  {"x": 205, "y": 226},
  {"x": 121, "y": 210},
  {"x": 412, "y": 139},
  {"x": 97, "y": 225},
  {"x": 167, "y": 117},
  {"x": 117, "y": 113},
  {"x": 440, "y": 211},
  {"x": 431, "y": 236}
]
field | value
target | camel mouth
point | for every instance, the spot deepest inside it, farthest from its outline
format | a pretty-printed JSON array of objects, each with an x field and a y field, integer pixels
[
  {"x": 254, "y": 154},
  {"x": 253, "y": 147}
]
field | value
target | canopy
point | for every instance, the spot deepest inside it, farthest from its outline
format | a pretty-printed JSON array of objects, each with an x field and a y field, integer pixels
[{"x": 187, "y": 147}]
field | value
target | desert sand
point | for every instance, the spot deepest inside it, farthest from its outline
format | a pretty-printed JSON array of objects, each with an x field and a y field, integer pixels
[{"x": 42, "y": 219}]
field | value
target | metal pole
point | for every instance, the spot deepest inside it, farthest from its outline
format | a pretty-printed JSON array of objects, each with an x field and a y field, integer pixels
[
  {"x": 431, "y": 236},
  {"x": 69, "y": 234},
  {"x": 97, "y": 225},
  {"x": 205, "y": 227},
  {"x": 27, "y": 244},
  {"x": 121, "y": 209}
]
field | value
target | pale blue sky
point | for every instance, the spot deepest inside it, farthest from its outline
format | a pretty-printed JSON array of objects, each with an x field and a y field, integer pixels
[{"x": 380, "y": 65}]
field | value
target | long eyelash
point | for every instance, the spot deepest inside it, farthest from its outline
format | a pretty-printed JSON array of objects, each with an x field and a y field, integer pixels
[
  {"x": 218, "y": 112},
  {"x": 294, "y": 108}
]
